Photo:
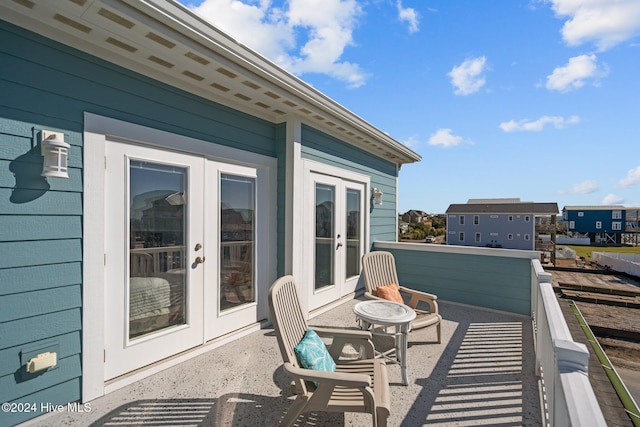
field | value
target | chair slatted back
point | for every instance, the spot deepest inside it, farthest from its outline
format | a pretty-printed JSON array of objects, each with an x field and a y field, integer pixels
[
  {"x": 379, "y": 269},
  {"x": 287, "y": 317}
]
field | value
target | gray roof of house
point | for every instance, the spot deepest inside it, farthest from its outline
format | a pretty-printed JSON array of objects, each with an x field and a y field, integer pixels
[
  {"x": 504, "y": 208},
  {"x": 594, "y": 208}
]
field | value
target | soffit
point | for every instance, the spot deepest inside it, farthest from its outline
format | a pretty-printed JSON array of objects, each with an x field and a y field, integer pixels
[{"x": 165, "y": 41}]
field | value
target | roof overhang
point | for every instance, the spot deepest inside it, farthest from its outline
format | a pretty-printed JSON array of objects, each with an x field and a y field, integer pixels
[{"x": 164, "y": 40}]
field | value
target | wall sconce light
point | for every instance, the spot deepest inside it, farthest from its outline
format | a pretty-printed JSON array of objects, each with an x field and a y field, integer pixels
[
  {"x": 56, "y": 154},
  {"x": 376, "y": 194}
]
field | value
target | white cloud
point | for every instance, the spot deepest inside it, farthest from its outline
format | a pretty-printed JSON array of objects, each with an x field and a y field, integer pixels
[
  {"x": 409, "y": 15},
  {"x": 537, "y": 125},
  {"x": 585, "y": 187},
  {"x": 574, "y": 74},
  {"x": 604, "y": 22},
  {"x": 632, "y": 178},
  {"x": 468, "y": 77},
  {"x": 444, "y": 138},
  {"x": 411, "y": 141},
  {"x": 612, "y": 199},
  {"x": 306, "y": 36}
]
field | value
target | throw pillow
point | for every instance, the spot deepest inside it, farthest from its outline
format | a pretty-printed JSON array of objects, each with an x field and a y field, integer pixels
[
  {"x": 390, "y": 292},
  {"x": 313, "y": 354}
]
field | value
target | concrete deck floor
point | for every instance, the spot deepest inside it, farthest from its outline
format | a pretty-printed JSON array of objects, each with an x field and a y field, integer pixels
[{"x": 481, "y": 374}]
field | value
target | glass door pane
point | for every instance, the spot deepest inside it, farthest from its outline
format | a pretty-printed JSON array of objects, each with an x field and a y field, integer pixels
[
  {"x": 325, "y": 235},
  {"x": 237, "y": 240},
  {"x": 353, "y": 232},
  {"x": 157, "y": 230}
]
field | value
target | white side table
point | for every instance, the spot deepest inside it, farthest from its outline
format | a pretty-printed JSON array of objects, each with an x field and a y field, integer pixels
[{"x": 377, "y": 316}]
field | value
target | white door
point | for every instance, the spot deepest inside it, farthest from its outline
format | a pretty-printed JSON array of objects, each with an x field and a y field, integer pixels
[
  {"x": 154, "y": 235},
  {"x": 231, "y": 221},
  {"x": 180, "y": 257},
  {"x": 336, "y": 236}
]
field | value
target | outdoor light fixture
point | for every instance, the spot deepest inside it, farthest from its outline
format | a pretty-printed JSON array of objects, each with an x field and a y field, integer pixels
[
  {"x": 56, "y": 154},
  {"x": 376, "y": 194}
]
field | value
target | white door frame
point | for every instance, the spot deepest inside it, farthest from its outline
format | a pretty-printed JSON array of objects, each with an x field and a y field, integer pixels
[
  {"x": 310, "y": 168},
  {"x": 97, "y": 131}
]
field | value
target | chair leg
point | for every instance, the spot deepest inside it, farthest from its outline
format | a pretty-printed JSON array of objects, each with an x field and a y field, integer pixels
[
  {"x": 439, "y": 333},
  {"x": 296, "y": 408},
  {"x": 380, "y": 417}
]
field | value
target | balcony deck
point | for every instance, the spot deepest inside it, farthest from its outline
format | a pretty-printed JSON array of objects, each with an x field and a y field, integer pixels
[{"x": 481, "y": 374}]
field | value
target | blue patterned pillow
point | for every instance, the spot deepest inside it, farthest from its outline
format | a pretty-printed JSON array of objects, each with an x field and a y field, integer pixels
[{"x": 313, "y": 354}]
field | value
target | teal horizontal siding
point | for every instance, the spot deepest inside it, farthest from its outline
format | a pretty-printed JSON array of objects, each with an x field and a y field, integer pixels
[
  {"x": 35, "y": 303},
  {"x": 58, "y": 394},
  {"x": 20, "y": 176},
  {"x": 501, "y": 283},
  {"x": 34, "y": 277},
  {"x": 22, "y": 254},
  {"x": 64, "y": 369},
  {"x": 69, "y": 345},
  {"x": 39, "y": 202},
  {"x": 38, "y": 227},
  {"x": 31, "y": 329}
]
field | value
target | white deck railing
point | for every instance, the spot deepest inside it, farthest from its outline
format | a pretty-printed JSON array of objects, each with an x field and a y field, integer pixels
[{"x": 562, "y": 363}]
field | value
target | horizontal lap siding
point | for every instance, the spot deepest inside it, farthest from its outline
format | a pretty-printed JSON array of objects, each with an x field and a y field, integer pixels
[
  {"x": 40, "y": 268},
  {"x": 45, "y": 85},
  {"x": 500, "y": 283},
  {"x": 324, "y": 148}
]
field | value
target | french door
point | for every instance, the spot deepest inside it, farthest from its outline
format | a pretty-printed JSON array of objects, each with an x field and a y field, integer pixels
[
  {"x": 180, "y": 253},
  {"x": 336, "y": 235}
]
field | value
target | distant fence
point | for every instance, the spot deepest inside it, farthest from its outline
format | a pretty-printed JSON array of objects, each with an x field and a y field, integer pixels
[
  {"x": 624, "y": 263},
  {"x": 563, "y": 240}
]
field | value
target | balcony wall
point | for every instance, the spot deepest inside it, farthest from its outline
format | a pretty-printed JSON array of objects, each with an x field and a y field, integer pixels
[{"x": 485, "y": 277}]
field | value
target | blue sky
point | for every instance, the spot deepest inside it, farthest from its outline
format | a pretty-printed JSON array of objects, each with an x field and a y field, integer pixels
[{"x": 530, "y": 99}]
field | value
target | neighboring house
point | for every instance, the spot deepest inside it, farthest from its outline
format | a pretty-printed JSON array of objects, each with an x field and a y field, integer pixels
[
  {"x": 415, "y": 216},
  {"x": 198, "y": 172},
  {"x": 503, "y": 223},
  {"x": 601, "y": 224}
]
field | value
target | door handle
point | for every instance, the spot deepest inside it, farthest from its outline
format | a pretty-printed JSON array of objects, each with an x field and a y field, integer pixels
[
  {"x": 199, "y": 260},
  {"x": 339, "y": 245}
]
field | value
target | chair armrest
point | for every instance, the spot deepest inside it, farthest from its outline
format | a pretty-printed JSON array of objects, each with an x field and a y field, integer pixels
[
  {"x": 325, "y": 331},
  {"x": 341, "y": 337},
  {"x": 369, "y": 295},
  {"x": 417, "y": 296},
  {"x": 346, "y": 379}
]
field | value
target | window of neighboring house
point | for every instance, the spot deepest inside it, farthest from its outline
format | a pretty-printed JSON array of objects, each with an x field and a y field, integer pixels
[
  {"x": 616, "y": 225},
  {"x": 598, "y": 225},
  {"x": 461, "y": 236},
  {"x": 510, "y": 218},
  {"x": 616, "y": 215},
  {"x": 527, "y": 218},
  {"x": 527, "y": 237},
  {"x": 510, "y": 236},
  {"x": 461, "y": 220},
  {"x": 572, "y": 225},
  {"x": 580, "y": 213},
  {"x": 478, "y": 237},
  {"x": 476, "y": 219}
]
